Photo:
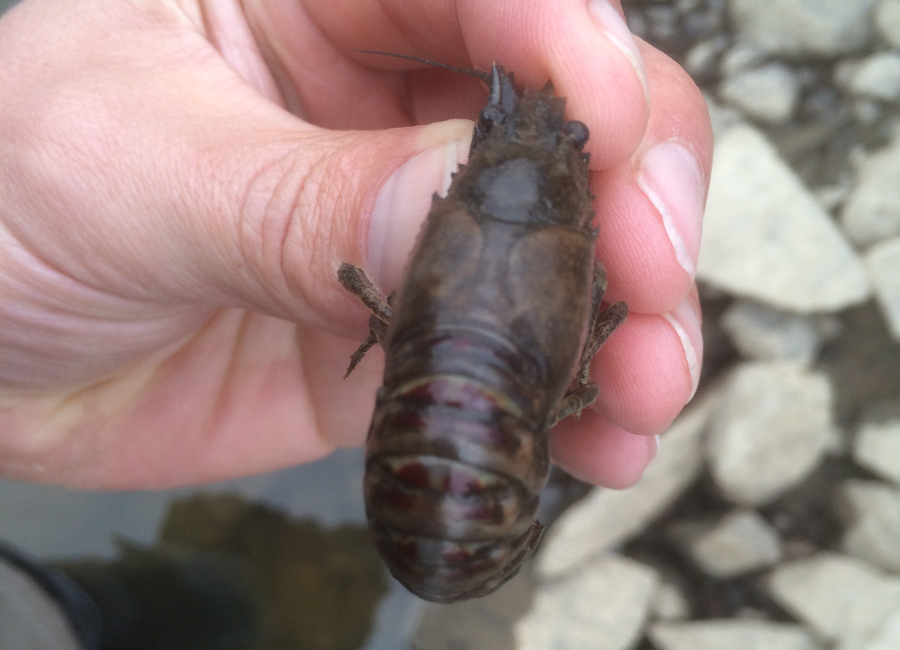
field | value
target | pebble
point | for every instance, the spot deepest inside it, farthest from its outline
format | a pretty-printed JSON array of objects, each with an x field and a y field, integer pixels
[
  {"x": 770, "y": 430},
  {"x": 742, "y": 542},
  {"x": 606, "y": 517},
  {"x": 886, "y": 638},
  {"x": 802, "y": 28},
  {"x": 877, "y": 443},
  {"x": 883, "y": 263},
  {"x": 731, "y": 634},
  {"x": 876, "y": 77},
  {"x": 670, "y": 603},
  {"x": 840, "y": 598},
  {"x": 701, "y": 60},
  {"x": 722, "y": 117},
  {"x": 887, "y": 21},
  {"x": 740, "y": 57},
  {"x": 475, "y": 624},
  {"x": 602, "y": 607},
  {"x": 764, "y": 334},
  {"x": 873, "y": 526},
  {"x": 767, "y": 94},
  {"x": 766, "y": 237}
]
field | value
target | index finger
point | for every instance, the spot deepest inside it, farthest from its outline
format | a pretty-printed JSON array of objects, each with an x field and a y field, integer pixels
[{"x": 584, "y": 47}]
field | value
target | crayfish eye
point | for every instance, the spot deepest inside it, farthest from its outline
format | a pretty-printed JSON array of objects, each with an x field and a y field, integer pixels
[
  {"x": 578, "y": 132},
  {"x": 489, "y": 116}
]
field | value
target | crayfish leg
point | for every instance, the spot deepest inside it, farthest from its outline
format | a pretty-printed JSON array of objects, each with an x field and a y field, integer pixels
[
  {"x": 575, "y": 400},
  {"x": 609, "y": 319},
  {"x": 603, "y": 324},
  {"x": 354, "y": 280}
]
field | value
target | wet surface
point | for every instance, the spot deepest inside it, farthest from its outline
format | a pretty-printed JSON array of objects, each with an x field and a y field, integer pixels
[{"x": 302, "y": 531}]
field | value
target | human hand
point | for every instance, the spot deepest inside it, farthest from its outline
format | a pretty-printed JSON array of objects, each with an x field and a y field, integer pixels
[{"x": 170, "y": 233}]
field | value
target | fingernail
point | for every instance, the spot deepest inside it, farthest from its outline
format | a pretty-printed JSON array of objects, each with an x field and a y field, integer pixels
[
  {"x": 402, "y": 205},
  {"x": 615, "y": 28},
  {"x": 670, "y": 177},
  {"x": 685, "y": 320},
  {"x": 656, "y": 450}
]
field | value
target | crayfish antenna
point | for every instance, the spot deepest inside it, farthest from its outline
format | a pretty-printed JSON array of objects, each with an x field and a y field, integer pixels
[{"x": 486, "y": 77}]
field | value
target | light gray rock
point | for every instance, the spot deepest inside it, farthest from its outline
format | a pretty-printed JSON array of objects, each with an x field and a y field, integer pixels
[
  {"x": 770, "y": 430},
  {"x": 764, "y": 334},
  {"x": 841, "y": 598},
  {"x": 670, "y": 603},
  {"x": 883, "y": 264},
  {"x": 801, "y": 28},
  {"x": 832, "y": 197},
  {"x": 722, "y": 117},
  {"x": 877, "y": 443},
  {"x": 606, "y": 517},
  {"x": 877, "y": 77},
  {"x": 872, "y": 212},
  {"x": 766, "y": 237},
  {"x": 872, "y": 509},
  {"x": 731, "y": 634},
  {"x": 887, "y": 21},
  {"x": 701, "y": 60},
  {"x": 475, "y": 624},
  {"x": 602, "y": 607},
  {"x": 886, "y": 638},
  {"x": 768, "y": 94},
  {"x": 741, "y": 57},
  {"x": 742, "y": 542}
]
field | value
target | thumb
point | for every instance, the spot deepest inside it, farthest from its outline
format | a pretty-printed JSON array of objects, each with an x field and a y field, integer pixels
[
  {"x": 151, "y": 174},
  {"x": 299, "y": 206}
]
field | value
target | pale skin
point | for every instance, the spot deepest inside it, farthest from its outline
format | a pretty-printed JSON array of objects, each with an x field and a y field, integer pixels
[{"x": 180, "y": 180}]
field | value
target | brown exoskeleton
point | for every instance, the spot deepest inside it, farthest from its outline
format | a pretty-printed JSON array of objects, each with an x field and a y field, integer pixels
[{"x": 487, "y": 346}]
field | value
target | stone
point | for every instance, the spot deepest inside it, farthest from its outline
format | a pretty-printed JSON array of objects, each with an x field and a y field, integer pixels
[
  {"x": 883, "y": 264},
  {"x": 886, "y": 638},
  {"x": 887, "y": 21},
  {"x": 701, "y": 60},
  {"x": 872, "y": 511},
  {"x": 740, "y": 57},
  {"x": 877, "y": 77},
  {"x": 722, "y": 117},
  {"x": 460, "y": 626},
  {"x": 877, "y": 443},
  {"x": 767, "y": 94},
  {"x": 766, "y": 237},
  {"x": 839, "y": 597},
  {"x": 764, "y": 334},
  {"x": 670, "y": 603},
  {"x": 475, "y": 624},
  {"x": 872, "y": 211},
  {"x": 742, "y": 542},
  {"x": 731, "y": 634},
  {"x": 770, "y": 430},
  {"x": 605, "y": 518},
  {"x": 805, "y": 28},
  {"x": 602, "y": 607}
]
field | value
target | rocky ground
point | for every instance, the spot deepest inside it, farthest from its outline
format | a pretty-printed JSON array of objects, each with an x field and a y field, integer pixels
[{"x": 771, "y": 517}]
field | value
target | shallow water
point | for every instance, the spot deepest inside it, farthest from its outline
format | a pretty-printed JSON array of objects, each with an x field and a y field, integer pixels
[{"x": 62, "y": 525}]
